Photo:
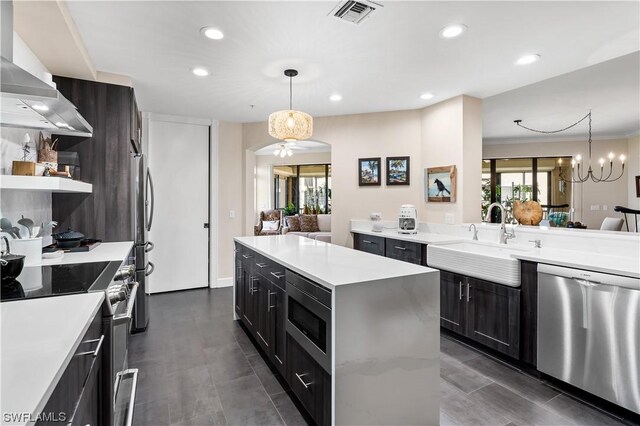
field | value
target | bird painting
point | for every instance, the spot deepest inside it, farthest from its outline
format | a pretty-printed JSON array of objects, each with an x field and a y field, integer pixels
[{"x": 440, "y": 184}]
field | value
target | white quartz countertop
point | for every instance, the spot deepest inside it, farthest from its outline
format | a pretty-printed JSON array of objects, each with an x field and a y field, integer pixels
[
  {"x": 617, "y": 264},
  {"x": 328, "y": 264},
  {"x": 105, "y": 252},
  {"x": 597, "y": 262},
  {"x": 39, "y": 337}
]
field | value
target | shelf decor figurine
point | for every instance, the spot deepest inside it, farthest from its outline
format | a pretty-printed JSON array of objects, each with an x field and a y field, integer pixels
[{"x": 25, "y": 166}]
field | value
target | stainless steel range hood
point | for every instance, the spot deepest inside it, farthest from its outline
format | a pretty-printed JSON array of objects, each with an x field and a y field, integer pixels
[{"x": 28, "y": 102}]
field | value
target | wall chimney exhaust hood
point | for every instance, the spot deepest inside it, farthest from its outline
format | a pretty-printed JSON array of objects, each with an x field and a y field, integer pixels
[{"x": 28, "y": 102}]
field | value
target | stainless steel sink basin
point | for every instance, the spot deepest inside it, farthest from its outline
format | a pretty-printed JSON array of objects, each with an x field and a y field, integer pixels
[{"x": 478, "y": 259}]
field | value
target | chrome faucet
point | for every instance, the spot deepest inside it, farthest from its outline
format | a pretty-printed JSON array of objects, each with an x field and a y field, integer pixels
[
  {"x": 504, "y": 235},
  {"x": 475, "y": 231}
]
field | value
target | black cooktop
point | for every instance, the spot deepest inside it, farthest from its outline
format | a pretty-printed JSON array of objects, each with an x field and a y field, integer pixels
[{"x": 57, "y": 280}]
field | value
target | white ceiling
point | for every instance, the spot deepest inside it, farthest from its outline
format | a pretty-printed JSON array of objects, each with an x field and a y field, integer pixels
[
  {"x": 383, "y": 64},
  {"x": 298, "y": 147},
  {"x": 610, "y": 89}
]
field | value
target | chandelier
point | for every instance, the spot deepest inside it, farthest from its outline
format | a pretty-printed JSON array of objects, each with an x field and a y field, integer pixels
[
  {"x": 578, "y": 176},
  {"x": 283, "y": 150},
  {"x": 290, "y": 125}
]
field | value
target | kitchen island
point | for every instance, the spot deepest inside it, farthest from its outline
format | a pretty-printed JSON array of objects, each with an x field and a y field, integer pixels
[{"x": 355, "y": 335}]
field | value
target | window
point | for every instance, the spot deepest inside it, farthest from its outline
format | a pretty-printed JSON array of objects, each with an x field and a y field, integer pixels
[
  {"x": 307, "y": 187},
  {"x": 521, "y": 179}
]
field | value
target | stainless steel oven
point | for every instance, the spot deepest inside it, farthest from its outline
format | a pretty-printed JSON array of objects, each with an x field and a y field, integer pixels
[
  {"x": 122, "y": 295},
  {"x": 308, "y": 312}
]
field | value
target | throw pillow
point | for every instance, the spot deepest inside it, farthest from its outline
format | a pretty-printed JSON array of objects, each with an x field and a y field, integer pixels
[
  {"x": 293, "y": 222},
  {"x": 309, "y": 223},
  {"x": 270, "y": 225}
]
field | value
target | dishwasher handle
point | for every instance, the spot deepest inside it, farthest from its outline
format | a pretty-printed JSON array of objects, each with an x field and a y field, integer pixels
[{"x": 590, "y": 276}]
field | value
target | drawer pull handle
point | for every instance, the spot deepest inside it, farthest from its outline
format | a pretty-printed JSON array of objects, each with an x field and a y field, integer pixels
[
  {"x": 95, "y": 352},
  {"x": 269, "y": 305},
  {"x": 246, "y": 256},
  {"x": 460, "y": 290},
  {"x": 468, "y": 293},
  {"x": 278, "y": 276},
  {"x": 261, "y": 265},
  {"x": 400, "y": 248},
  {"x": 368, "y": 242},
  {"x": 300, "y": 377}
]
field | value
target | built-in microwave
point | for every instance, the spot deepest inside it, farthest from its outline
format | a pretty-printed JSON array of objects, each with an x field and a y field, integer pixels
[{"x": 308, "y": 311}]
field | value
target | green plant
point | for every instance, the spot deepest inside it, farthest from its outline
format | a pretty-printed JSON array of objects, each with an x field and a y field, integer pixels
[{"x": 290, "y": 210}]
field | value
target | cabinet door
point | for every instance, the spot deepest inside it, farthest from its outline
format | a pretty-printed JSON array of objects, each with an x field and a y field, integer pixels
[
  {"x": 493, "y": 317},
  {"x": 277, "y": 323},
  {"x": 369, "y": 243},
  {"x": 452, "y": 302},
  {"x": 262, "y": 293}
]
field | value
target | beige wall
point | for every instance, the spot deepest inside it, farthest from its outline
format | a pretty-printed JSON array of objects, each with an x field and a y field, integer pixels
[
  {"x": 589, "y": 193},
  {"x": 230, "y": 193},
  {"x": 434, "y": 136},
  {"x": 452, "y": 135}
]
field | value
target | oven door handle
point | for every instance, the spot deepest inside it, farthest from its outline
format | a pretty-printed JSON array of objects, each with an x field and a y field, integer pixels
[
  {"x": 133, "y": 372},
  {"x": 125, "y": 317}
]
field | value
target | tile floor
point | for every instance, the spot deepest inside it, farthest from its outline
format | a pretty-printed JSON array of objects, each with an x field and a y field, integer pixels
[{"x": 197, "y": 367}]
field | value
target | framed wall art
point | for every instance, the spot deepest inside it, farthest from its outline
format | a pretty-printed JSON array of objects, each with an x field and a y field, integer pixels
[
  {"x": 369, "y": 171},
  {"x": 398, "y": 171},
  {"x": 440, "y": 184}
]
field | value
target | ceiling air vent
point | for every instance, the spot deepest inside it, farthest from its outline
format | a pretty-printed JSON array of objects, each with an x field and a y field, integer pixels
[{"x": 354, "y": 11}]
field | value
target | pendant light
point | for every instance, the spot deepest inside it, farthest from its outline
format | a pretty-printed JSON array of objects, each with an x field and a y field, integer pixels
[
  {"x": 578, "y": 176},
  {"x": 290, "y": 125}
]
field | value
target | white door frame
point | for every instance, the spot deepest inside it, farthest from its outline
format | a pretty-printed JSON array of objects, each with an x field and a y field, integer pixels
[{"x": 213, "y": 179}]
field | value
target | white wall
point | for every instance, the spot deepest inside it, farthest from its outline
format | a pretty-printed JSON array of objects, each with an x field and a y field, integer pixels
[
  {"x": 589, "y": 193},
  {"x": 14, "y": 204},
  {"x": 386, "y": 134}
]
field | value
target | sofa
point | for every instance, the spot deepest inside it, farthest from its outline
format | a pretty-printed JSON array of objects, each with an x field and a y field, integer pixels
[{"x": 324, "y": 226}]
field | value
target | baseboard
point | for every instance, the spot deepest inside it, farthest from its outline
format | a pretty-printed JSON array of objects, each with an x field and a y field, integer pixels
[{"x": 222, "y": 282}]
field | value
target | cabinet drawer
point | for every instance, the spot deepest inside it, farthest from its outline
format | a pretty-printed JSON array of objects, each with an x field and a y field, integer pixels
[
  {"x": 67, "y": 392},
  {"x": 316, "y": 291},
  {"x": 369, "y": 243},
  {"x": 309, "y": 382},
  {"x": 407, "y": 251}
]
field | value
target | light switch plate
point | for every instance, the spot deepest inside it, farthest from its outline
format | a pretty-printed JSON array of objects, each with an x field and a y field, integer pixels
[
  {"x": 605, "y": 207},
  {"x": 595, "y": 207},
  {"x": 232, "y": 214},
  {"x": 449, "y": 218}
]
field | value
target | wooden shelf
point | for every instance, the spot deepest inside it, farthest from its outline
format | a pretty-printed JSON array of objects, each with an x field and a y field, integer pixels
[{"x": 44, "y": 183}]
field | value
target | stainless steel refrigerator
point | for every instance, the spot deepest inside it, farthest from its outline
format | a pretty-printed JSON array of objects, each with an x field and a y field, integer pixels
[{"x": 142, "y": 220}]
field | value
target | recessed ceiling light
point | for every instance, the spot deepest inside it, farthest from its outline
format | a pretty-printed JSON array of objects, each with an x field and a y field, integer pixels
[
  {"x": 40, "y": 107},
  {"x": 427, "y": 96},
  {"x": 200, "y": 72},
  {"x": 335, "y": 97},
  {"x": 212, "y": 33},
  {"x": 528, "y": 59},
  {"x": 452, "y": 31}
]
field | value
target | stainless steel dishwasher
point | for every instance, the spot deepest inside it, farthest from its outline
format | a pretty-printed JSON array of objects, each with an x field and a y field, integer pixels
[{"x": 589, "y": 332}]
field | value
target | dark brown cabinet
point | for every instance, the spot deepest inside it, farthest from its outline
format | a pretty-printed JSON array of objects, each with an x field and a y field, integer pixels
[
  {"x": 453, "y": 304},
  {"x": 407, "y": 251},
  {"x": 486, "y": 312},
  {"x": 493, "y": 316},
  {"x": 79, "y": 395},
  {"x": 309, "y": 382},
  {"x": 369, "y": 243},
  {"x": 105, "y": 160}
]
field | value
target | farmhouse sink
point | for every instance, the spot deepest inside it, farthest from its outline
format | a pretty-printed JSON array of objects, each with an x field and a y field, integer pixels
[{"x": 478, "y": 259}]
